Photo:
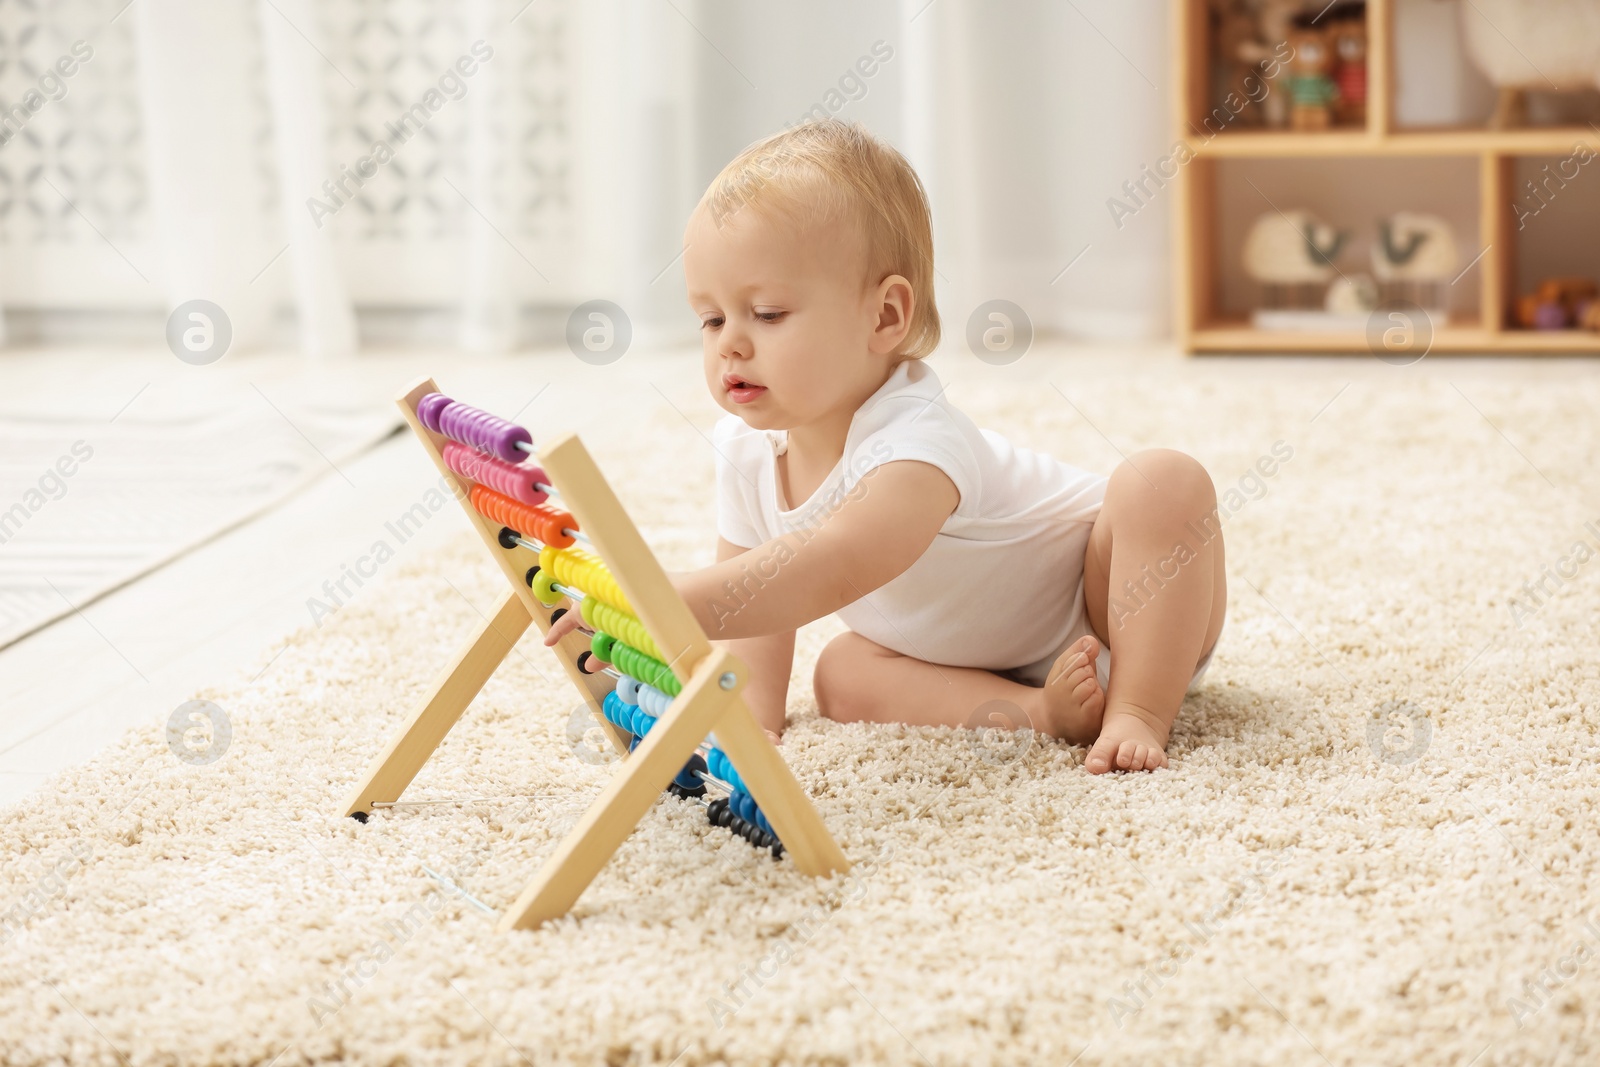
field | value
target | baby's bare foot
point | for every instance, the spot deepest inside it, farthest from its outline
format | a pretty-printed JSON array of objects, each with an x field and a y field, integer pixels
[
  {"x": 1129, "y": 741},
  {"x": 1072, "y": 697}
]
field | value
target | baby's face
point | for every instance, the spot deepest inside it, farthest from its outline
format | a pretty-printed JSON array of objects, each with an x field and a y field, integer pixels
[{"x": 786, "y": 311}]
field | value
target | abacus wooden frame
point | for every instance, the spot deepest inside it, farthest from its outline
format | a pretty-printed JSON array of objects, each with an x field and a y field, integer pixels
[{"x": 711, "y": 699}]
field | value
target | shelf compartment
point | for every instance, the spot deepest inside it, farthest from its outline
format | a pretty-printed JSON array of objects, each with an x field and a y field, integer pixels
[{"x": 1267, "y": 144}]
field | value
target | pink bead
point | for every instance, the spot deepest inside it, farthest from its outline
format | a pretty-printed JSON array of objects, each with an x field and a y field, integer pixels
[{"x": 506, "y": 478}]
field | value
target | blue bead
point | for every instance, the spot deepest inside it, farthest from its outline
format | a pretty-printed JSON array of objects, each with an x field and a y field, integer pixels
[
  {"x": 722, "y": 767},
  {"x": 733, "y": 778}
]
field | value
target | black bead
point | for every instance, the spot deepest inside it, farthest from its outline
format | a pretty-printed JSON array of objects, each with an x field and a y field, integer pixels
[
  {"x": 715, "y": 810},
  {"x": 583, "y": 657},
  {"x": 529, "y": 576},
  {"x": 359, "y": 816},
  {"x": 556, "y": 614},
  {"x": 777, "y": 851},
  {"x": 506, "y": 535}
]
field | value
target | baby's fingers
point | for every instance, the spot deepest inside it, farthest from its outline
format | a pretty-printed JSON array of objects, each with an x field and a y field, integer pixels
[{"x": 564, "y": 625}]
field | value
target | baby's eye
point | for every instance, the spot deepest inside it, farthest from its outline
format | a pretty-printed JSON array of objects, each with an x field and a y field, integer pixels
[
  {"x": 711, "y": 323},
  {"x": 770, "y": 316}
]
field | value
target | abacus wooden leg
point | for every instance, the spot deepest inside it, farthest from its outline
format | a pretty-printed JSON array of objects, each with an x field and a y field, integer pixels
[
  {"x": 772, "y": 785},
  {"x": 629, "y": 794},
  {"x": 452, "y": 691}
]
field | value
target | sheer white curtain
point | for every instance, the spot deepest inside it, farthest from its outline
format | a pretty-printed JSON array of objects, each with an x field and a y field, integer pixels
[
  {"x": 1024, "y": 119},
  {"x": 566, "y": 168},
  {"x": 449, "y": 224}
]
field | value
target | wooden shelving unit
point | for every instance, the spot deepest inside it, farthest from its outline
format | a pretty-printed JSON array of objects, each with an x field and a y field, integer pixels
[{"x": 1203, "y": 328}]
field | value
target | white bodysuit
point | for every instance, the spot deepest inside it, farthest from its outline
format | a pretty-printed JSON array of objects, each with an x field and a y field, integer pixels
[{"x": 1000, "y": 587}]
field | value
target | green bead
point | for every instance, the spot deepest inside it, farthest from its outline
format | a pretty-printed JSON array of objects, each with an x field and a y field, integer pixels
[{"x": 542, "y": 582}]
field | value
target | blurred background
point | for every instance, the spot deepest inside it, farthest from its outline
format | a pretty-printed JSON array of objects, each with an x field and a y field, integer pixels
[
  {"x": 180, "y": 161},
  {"x": 187, "y": 158}
]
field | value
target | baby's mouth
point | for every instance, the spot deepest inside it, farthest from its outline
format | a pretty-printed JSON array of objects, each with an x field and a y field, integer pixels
[{"x": 741, "y": 391}]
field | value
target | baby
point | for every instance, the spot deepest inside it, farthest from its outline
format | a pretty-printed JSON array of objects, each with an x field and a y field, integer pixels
[{"x": 975, "y": 576}]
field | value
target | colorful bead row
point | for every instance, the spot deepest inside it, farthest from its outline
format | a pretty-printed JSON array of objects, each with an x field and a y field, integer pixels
[
  {"x": 743, "y": 805},
  {"x": 648, "y": 697},
  {"x": 473, "y": 426},
  {"x": 720, "y": 812},
  {"x": 508, "y": 479},
  {"x": 599, "y": 615},
  {"x": 540, "y": 521},
  {"x": 629, "y": 717},
  {"x": 585, "y": 571},
  {"x": 630, "y": 660}
]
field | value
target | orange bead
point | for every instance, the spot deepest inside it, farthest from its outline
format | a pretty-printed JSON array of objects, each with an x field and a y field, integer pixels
[{"x": 537, "y": 521}]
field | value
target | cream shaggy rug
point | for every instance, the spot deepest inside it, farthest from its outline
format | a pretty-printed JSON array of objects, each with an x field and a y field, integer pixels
[{"x": 1375, "y": 843}]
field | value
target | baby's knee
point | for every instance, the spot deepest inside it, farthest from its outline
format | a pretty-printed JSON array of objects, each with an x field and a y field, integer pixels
[
  {"x": 835, "y": 679},
  {"x": 1167, "y": 478}
]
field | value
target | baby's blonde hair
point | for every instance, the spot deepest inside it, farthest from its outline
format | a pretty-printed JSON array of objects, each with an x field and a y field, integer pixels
[{"x": 825, "y": 169}]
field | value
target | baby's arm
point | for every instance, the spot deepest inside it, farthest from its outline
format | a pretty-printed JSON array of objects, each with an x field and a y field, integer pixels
[
  {"x": 884, "y": 525},
  {"x": 755, "y": 599},
  {"x": 770, "y": 659}
]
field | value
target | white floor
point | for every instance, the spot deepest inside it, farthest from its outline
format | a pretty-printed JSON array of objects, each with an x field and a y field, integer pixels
[{"x": 216, "y": 616}]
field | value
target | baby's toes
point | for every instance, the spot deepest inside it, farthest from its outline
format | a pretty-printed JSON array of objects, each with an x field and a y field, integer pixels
[{"x": 1130, "y": 755}]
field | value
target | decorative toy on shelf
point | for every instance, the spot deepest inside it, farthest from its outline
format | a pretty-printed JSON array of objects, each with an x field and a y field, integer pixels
[
  {"x": 1415, "y": 259},
  {"x": 1309, "y": 83},
  {"x": 1560, "y": 304},
  {"x": 1292, "y": 256},
  {"x": 1532, "y": 45},
  {"x": 1347, "y": 33},
  {"x": 1262, "y": 49},
  {"x": 667, "y": 700},
  {"x": 1352, "y": 296}
]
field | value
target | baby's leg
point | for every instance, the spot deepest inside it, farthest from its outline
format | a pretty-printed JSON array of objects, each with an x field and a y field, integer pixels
[
  {"x": 858, "y": 680},
  {"x": 1156, "y": 592}
]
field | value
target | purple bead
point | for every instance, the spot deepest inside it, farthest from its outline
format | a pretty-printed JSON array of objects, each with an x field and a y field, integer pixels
[
  {"x": 505, "y": 437},
  {"x": 428, "y": 409},
  {"x": 483, "y": 431}
]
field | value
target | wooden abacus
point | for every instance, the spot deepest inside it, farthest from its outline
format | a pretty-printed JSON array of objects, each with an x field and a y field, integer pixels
[{"x": 684, "y": 688}]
